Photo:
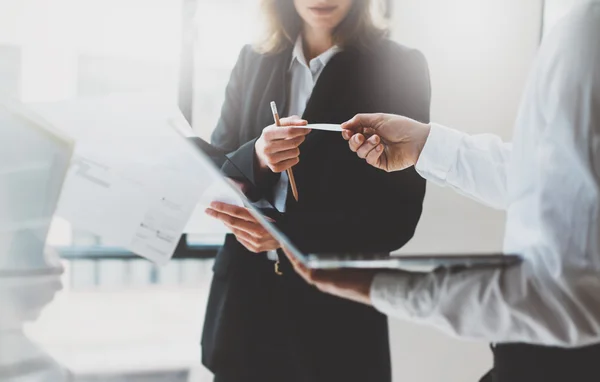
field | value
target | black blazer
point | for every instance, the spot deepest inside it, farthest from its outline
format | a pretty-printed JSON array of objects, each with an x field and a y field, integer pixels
[{"x": 259, "y": 323}]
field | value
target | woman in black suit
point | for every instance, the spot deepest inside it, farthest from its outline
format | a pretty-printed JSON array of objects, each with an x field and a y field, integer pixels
[{"x": 324, "y": 60}]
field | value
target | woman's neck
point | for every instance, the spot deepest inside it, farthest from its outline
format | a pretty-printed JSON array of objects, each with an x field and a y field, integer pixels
[{"x": 315, "y": 42}]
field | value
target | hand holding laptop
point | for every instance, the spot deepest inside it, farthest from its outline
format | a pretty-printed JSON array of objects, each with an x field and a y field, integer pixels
[
  {"x": 350, "y": 284},
  {"x": 244, "y": 226}
]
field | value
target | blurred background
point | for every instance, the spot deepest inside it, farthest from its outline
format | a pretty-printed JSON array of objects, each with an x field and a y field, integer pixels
[{"x": 119, "y": 317}]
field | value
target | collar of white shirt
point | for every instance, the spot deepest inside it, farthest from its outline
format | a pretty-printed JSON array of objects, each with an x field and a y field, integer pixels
[{"x": 316, "y": 63}]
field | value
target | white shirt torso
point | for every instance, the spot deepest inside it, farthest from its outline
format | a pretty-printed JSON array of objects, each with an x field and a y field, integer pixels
[
  {"x": 548, "y": 181},
  {"x": 303, "y": 77}
]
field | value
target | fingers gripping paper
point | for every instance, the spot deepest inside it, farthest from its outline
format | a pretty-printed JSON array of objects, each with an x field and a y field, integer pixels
[{"x": 322, "y": 126}]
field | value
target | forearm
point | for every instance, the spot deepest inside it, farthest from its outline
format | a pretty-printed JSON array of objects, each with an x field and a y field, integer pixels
[
  {"x": 474, "y": 165},
  {"x": 243, "y": 159},
  {"x": 501, "y": 305}
]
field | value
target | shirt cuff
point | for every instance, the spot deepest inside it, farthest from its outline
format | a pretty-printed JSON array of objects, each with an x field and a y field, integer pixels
[
  {"x": 389, "y": 294},
  {"x": 439, "y": 153}
]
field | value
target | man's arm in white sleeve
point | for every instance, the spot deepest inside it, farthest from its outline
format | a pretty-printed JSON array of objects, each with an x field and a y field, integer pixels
[
  {"x": 473, "y": 165},
  {"x": 553, "y": 298},
  {"x": 496, "y": 305}
]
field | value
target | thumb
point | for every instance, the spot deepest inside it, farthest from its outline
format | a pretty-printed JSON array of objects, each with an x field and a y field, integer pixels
[
  {"x": 293, "y": 120},
  {"x": 362, "y": 123}
]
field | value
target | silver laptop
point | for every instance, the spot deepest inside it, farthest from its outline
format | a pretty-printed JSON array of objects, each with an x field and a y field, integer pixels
[{"x": 266, "y": 214}]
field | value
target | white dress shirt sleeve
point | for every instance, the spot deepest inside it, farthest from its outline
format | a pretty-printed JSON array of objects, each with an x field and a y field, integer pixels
[
  {"x": 517, "y": 304},
  {"x": 553, "y": 214},
  {"x": 475, "y": 166}
]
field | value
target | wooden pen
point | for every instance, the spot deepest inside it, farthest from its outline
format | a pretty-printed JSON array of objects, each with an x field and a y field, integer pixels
[{"x": 289, "y": 172}]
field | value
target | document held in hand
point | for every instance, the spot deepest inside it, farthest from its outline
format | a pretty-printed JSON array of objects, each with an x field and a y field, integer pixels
[{"x": 133, "y": 180}]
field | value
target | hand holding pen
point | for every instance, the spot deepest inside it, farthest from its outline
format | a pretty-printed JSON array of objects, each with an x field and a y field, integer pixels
[{"x": 277, "y": 149}]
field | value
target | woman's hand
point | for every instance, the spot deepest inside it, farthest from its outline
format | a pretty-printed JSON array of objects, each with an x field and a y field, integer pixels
[
  {"x": 243, "y": 225},
  {"x": 277, "y": 148},
  {"x": 354, "y": 285}
]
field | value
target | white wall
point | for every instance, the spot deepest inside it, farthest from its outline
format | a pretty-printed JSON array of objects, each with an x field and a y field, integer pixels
[{"x": 479, "y": 53}]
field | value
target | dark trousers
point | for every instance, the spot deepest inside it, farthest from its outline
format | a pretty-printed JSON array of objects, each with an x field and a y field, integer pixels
[{"x": 530, "y": 363}]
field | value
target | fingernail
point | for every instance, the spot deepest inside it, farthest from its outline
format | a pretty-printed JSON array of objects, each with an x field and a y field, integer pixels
[{"x": 379, "y": 148}]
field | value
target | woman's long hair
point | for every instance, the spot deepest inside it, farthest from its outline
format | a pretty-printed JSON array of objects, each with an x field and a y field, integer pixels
[{"x": 284, "y": 24}]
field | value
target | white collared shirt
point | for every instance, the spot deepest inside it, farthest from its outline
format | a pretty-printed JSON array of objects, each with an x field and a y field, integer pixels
[
  {"x": 303, "y": 77},
  {"x": 548, "y": 181}
]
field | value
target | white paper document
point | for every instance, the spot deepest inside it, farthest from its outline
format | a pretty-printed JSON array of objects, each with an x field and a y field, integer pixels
[
  {"x": 134, "y": 180},
  {"x": 322, "y": 126}
]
